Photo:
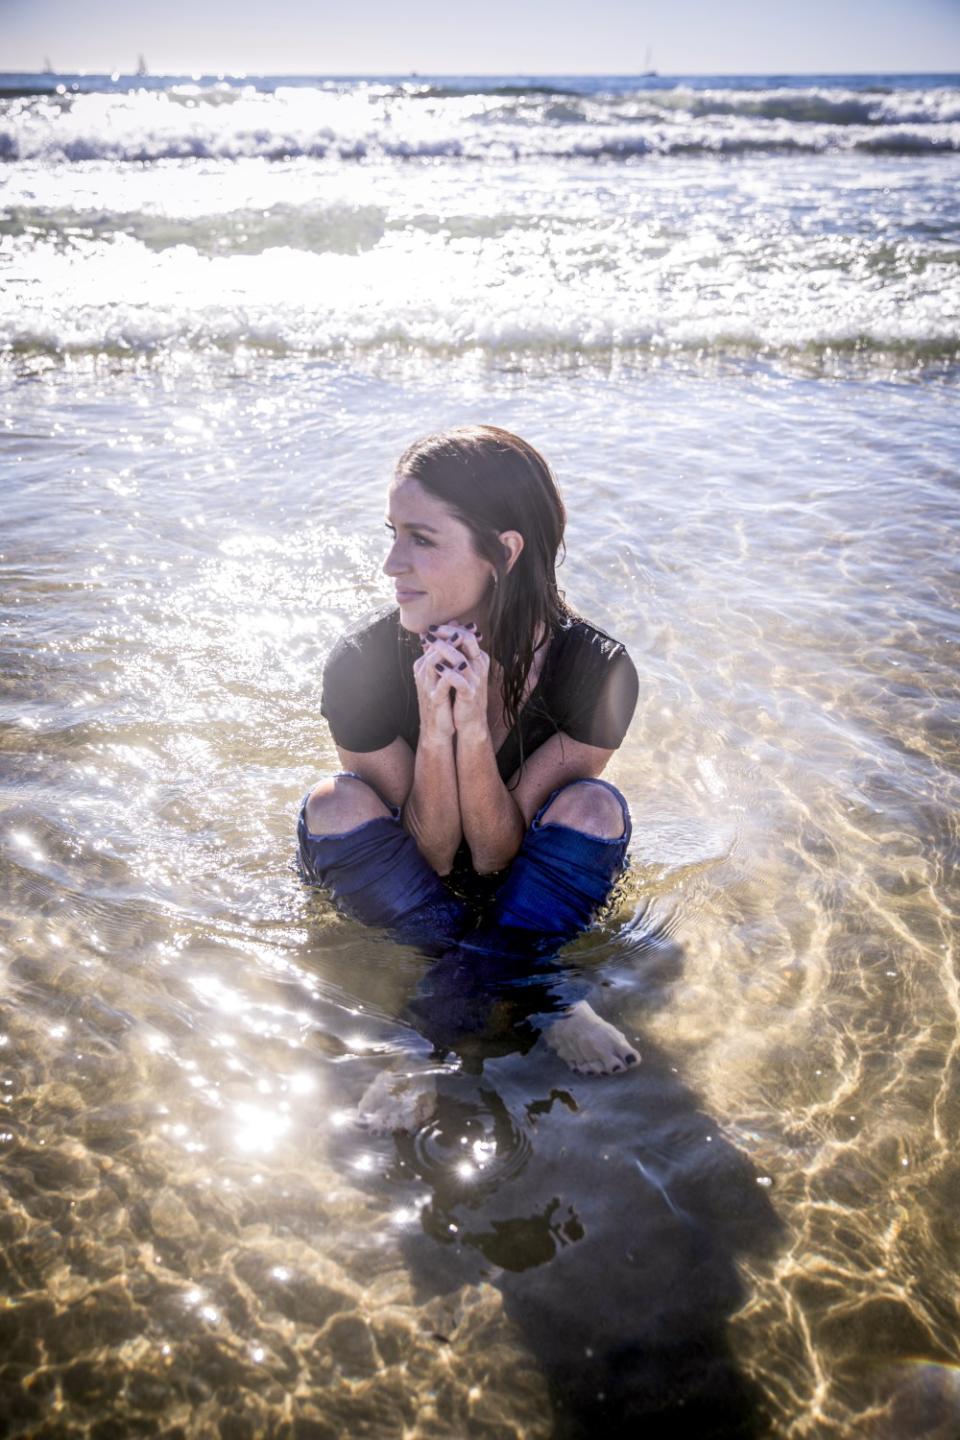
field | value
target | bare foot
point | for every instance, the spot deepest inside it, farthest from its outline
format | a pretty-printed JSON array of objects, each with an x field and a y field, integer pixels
[
  {"x": 589, "y": 1044},
  {"x": 397, "y": 1101}
]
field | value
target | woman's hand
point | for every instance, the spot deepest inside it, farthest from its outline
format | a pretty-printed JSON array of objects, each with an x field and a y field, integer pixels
[
  {"x": 463, "y": 668},
  {"x": 434, "y": 696}
]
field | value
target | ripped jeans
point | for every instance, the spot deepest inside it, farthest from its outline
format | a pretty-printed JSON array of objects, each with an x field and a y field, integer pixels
[{"x": 550, "y": 892}]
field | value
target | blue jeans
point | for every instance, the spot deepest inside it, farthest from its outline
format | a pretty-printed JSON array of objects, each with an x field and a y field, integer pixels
[
  {"x": 551, "y": 890},
  {"x": 557, "y": 881}
]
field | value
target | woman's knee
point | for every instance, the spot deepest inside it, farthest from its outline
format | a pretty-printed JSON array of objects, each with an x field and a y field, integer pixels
[
  {"x": 584, "y": 805},
  {"x": 340, "y": 802}
]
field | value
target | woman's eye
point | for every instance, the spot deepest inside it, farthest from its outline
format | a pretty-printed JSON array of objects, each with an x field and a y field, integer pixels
[{"x": 417, "y": 539}]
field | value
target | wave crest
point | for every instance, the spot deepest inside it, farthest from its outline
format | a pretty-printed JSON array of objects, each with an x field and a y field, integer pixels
[{"x": 224, "y": 123}]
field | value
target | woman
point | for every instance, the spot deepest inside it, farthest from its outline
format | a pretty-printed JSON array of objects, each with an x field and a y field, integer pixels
[{"x": 473, "y": 722}]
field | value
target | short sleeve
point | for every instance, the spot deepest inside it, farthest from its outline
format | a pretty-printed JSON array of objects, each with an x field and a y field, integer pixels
[
  {"x": 603, "y": 695},
  {"x": 359, "y": 693}
]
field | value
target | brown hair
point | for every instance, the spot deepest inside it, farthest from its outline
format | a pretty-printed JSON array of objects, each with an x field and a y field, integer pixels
[{"x": 494, "y": 481}]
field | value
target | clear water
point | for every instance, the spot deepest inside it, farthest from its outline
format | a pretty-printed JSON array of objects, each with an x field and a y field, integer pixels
[{"x": 756, "y": 440}]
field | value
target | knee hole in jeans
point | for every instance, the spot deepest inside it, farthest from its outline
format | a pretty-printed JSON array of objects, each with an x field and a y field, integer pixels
[
  {"x": 593, "y": 809},
  {"x": 341, "y": 802}
]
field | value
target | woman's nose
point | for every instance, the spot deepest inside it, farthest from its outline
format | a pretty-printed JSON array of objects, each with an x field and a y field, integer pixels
[{"x": 395, "y": 563}]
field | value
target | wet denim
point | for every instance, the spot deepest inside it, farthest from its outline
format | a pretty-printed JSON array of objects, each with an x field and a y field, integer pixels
[
  {"x": 496, "y": 980},
  {"x": 558, "y": 879},
  {"x": 375, "y": 873}
]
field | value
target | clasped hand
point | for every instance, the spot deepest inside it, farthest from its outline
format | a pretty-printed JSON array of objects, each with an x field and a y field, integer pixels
[{"x": 451, "y": 677}]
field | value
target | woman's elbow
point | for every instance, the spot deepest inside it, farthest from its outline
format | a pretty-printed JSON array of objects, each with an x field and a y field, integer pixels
[
  {"x": 439, "y": 860},
  {"x": 489, "y": 862},
  {"x": 488, "y": 867},
  {"x": 442, "y": 864}
]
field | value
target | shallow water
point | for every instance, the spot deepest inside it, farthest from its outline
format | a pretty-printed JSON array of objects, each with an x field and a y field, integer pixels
[
  {"x": 757, "y": 1228},
  {"x": 186, "y": 1029}
]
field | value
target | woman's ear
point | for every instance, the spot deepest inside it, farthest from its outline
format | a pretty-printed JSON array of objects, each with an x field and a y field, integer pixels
[{"x": 512, "y": 542}]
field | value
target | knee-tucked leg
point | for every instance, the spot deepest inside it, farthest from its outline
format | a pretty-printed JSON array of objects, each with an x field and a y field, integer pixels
[
  {"x": 564, "y": 871},
  {"x": 592, "y": 808},
  {"x": 341, "y": 802},
  {"x": 355, "y": 846}
]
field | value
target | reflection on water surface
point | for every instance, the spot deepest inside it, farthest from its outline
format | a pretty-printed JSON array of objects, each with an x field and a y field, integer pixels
[{"x": 760, "y": 1220}]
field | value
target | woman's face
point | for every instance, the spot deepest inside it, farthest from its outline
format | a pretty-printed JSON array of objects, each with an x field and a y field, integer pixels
[{"x": 436, "y": 572}]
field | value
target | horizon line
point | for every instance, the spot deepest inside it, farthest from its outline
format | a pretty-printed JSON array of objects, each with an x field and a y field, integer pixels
[{"x": 464, "y": 74}]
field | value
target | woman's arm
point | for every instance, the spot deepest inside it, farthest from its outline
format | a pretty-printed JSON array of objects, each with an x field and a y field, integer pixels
[
  {"x": 431, "y": 811},
  {"x": 423, "y": 785},
  {"x": 493, "y": 825},
  {"x": 494, "y": 817},
  {"x": 558, "y": 761},
  {"x": 388, "y": 771}
]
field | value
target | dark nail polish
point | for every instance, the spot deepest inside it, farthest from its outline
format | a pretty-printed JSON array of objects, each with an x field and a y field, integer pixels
[
  {"x": 432, "y": 628},
  {"x": 462, "y": 665},
  {"x": 469, "y": 625},
  {"x": 631, "y": 1059},
  {"x": 455, "y": 635},
  {"x": 441, "y": 665}
]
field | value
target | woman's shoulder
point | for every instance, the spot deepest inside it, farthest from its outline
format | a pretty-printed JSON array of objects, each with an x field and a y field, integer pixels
[
  {"x": 581, "y": 640},
  {"x": 362, "y": 698},
  {"x": 373, "y": 636},
  {"x": 595, "y": 687}
]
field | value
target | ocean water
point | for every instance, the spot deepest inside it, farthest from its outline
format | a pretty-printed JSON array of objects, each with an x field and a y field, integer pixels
[{"x": 726, "y": 309}]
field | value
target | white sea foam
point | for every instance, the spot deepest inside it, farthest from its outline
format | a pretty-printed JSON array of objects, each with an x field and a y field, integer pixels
[
  {"x": 187, "y": 122},
  {"x": 427, "y": 292},
  {"x": 323, "y": 218}
]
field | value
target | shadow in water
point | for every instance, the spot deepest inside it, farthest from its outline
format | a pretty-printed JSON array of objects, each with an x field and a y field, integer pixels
[{"x": 609, "y": 1211}]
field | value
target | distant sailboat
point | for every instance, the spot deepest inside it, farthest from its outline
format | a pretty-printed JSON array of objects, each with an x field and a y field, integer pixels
[
  {"x": 142, "y": 66},
  {"x": 648, "y": 72},
  {"x": 47, "y": 67}
]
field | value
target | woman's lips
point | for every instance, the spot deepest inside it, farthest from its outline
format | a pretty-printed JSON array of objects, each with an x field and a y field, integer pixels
[{"x": 404, "y": 595}]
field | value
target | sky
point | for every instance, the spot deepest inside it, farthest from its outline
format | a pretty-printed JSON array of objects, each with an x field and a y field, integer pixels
[{"x": 378, "y": 37}]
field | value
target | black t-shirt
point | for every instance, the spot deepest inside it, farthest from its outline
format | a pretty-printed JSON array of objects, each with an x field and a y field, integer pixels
[{"x": 587, "y": 688}]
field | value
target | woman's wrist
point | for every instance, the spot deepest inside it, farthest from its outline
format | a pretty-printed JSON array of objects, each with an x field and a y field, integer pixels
[
  {"x": 473, "y": 737},
  {"x": 434, "y": 736}
]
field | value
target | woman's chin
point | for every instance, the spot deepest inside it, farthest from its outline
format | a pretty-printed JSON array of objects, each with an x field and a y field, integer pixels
[{"x": 413, "y": 615}]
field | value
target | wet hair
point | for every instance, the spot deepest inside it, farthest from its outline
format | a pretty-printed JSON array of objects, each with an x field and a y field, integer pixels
[{"x": 494, "y": 481}]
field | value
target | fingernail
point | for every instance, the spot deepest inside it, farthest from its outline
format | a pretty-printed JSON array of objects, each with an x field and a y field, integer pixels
[
  {"x": 462, "y": 665},
  {"x": 469, "y": 625},
  {"x": 631, "y": 1059},
  {"x": 431, "y": 628},
  {"x": 455, "y": 635},
  {"x": 441, "y": 665}
]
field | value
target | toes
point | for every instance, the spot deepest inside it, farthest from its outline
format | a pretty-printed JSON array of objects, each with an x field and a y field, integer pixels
[{"x": 605, "y": 1067}]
